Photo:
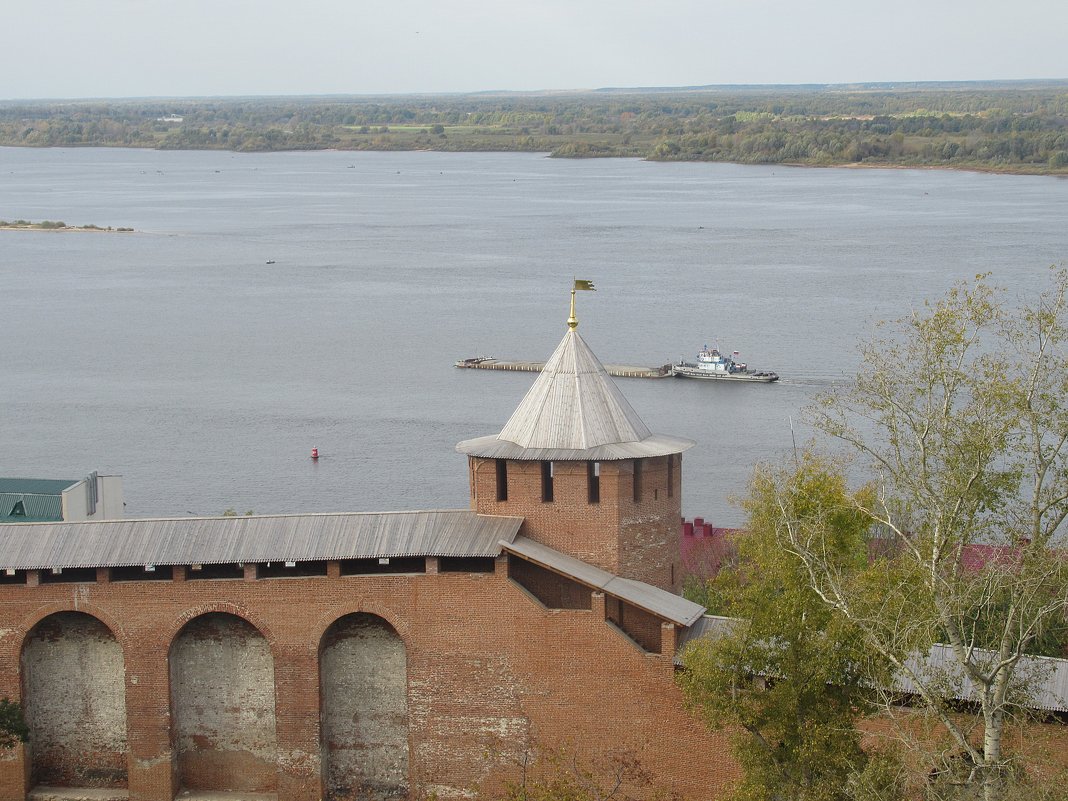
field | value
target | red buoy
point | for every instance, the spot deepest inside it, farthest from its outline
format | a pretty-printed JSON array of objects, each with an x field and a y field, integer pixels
[{"x": 315, "y": 453}]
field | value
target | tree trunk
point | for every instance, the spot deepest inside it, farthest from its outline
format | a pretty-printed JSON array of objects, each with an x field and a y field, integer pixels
[{"x": 992, "y": 778}]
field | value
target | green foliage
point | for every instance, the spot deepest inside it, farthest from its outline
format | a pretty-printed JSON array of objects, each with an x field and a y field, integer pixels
[
  {"x": 993, "y": 602},
  {"x": 707, "y": 592},
  {"x": 13, "y": 728},
  {"x": 785, "y": 676},
  {"x": 1009, "y": 127},
  {"x": 883, "y": 777},
  {"x": 959, "y": 415}
]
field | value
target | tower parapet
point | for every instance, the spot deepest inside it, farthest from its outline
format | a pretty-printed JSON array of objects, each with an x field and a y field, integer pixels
[{"x": 589, "y": 477}]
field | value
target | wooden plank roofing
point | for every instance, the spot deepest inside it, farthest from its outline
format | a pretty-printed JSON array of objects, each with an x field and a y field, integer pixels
[
  {"x": 574, "y": 411},
  {"x": 268, "y": 538},
  {"x": 654, "y": 600}
]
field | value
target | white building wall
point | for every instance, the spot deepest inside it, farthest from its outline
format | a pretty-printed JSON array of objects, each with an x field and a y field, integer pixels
[
  {"x": 75, "y": 502},
  {"x": 109, "y": 503}
]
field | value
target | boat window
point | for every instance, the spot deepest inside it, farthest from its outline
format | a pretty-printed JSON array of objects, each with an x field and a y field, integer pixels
[
  {"x": 502, "y": 480},
  {"x": 593, "y": 481},
  {"x": 547, "y": 482}
]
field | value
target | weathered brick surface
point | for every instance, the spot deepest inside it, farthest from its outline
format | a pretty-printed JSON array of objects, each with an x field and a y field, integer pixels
[
  {"x": 222, "y": 690},
  {"x": 552, "y": 589},
  {"x": 437, "y": 681},
  {"x": 634, "y": 539},
  {"x": 639, "y": 625},
  {"x": 364, "y": 678},
  {"x": 489, "y": 670},
  {"x": 73, "y": 673}
]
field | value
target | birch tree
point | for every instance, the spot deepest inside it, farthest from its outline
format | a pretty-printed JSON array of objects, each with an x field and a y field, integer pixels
[
  {"x": 958, "y": 417},
  {"x": 783, "y": 675}
]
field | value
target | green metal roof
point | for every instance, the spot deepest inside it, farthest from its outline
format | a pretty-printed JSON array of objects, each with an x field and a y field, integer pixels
[
  {"x": 35, "y": 486},
  {"x": 32, "y": 500}
]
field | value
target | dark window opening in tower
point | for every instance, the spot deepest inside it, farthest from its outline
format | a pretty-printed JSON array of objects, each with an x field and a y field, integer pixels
[
  {"x": 671, "y": 475},
  {"x": 637, "y": 480},
  {"x": 502, "y": 480},
  {"x": 593, "y": 481},
  {"x": 547, "y": 482}
]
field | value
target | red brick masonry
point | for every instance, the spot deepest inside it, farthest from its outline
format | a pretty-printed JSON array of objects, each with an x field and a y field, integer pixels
[{"x": 490, "y": 670}]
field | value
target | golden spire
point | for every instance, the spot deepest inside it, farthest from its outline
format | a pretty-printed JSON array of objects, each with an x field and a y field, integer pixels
[{"x": 572, "y": 321}]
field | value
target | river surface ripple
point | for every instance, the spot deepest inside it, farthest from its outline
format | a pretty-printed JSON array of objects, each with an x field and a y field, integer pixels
[{"x": 180, "y": 358}]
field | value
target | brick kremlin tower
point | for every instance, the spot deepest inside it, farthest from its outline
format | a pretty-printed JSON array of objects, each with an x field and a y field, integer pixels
[{"x": 586, "y": 474}]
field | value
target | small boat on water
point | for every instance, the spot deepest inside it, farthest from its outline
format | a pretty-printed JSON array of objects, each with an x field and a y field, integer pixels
[
  {"x": 270, "y": 261},
  {"x": 711, "y": 364},
  {"x": 474, "y": 361}
]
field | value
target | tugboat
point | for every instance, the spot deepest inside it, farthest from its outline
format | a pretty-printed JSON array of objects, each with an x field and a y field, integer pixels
[{"x": 711, "y": 364}]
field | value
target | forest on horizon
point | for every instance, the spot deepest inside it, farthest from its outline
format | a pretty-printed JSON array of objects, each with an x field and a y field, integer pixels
[{"x": 1017, "y": 127}]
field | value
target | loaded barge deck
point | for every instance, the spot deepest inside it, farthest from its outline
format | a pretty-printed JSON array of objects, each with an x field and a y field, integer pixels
[{"x": 617, "y": 370}]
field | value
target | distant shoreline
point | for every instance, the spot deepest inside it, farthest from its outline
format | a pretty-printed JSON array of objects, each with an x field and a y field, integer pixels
[
  {"x": 50, "y": 225},
  {"x": 988, "y": 169},
  {"x": 992, "y": 127}
]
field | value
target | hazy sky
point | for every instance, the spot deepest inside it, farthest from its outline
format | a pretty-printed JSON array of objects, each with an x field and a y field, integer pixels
[{"x": 123, "y": 48}]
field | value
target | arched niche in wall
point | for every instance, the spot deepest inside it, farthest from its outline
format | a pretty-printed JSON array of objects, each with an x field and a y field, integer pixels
[
  {"x": 364, "y": 700},
  {"x": 74, "y": 694},
  {"x": 223, "y": 706}
]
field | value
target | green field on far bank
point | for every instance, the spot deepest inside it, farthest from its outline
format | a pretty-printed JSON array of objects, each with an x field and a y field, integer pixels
[{"x": 1003, "y": 127}]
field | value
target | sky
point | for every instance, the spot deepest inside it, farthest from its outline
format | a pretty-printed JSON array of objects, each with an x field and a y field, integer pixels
[{"x": 182, "y": 48}]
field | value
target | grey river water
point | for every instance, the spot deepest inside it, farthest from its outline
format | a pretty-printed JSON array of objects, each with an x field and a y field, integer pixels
[{"x": 178, "y": 357}]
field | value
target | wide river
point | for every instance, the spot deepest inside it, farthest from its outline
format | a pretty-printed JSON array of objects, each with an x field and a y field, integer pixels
[{"x": 180, "y": 358}]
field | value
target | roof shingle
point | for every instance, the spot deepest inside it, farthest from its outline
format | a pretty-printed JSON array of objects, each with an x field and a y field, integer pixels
[
  {"x": 221, "y": 540},
  {"x": 574, "y": 411}
]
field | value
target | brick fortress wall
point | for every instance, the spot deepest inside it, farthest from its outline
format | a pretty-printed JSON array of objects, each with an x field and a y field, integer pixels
[
  {"x": 487, "y": 670},
  {"x": 627, "y": 533}
]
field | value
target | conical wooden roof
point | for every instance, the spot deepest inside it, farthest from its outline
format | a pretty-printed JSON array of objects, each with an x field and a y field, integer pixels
[
  {"x": 574, "y": 410},
  {"x": 574, "y": 403}
]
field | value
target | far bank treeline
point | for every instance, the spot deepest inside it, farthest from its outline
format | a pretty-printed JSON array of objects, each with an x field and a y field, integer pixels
[{"x": 1005, "y": 127}]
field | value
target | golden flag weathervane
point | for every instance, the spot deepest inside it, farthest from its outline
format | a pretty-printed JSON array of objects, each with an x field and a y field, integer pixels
[{"x": 572, "y": 321}]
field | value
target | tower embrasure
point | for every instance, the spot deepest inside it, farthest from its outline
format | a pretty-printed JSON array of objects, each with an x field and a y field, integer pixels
[{"x": 590, "y": 479}]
